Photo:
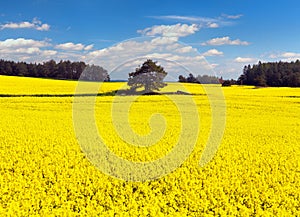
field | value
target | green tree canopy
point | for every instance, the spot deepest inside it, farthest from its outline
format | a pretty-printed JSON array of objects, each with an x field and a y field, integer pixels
[
  {"x": 272, "y": 74},
  {"x": 51, "y": 69},
  {"x": 149, "y": 75}
]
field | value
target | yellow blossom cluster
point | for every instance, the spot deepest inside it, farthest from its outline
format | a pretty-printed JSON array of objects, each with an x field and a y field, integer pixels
[{"x": 44, "y": 172}]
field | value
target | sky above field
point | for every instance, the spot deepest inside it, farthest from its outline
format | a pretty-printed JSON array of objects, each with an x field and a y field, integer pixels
[{"x": 202, "y": 37}]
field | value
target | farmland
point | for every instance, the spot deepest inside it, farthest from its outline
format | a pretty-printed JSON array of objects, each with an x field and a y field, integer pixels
[{"x": 43, "y": 171}]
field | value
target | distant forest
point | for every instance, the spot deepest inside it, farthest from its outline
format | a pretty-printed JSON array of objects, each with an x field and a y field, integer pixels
[
  {"x": 201, "y": 79},
  {"x": 55, "y": 70},
  {"x": 278, "y": 74},
  {"x": 272, "y": 74}
]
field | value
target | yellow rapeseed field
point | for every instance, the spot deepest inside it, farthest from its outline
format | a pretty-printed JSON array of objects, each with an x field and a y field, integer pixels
[{"x": 44, "y": 172}]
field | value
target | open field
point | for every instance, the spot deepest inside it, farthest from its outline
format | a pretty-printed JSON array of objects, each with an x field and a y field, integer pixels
[{"x": 43, "y": 171}]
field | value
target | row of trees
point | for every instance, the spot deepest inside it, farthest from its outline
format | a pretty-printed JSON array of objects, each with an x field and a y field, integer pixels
[
  {"x": 151, "y": 75},
  {"x": 273, "y": 74},
  {"x": 52, "y": 69},
  {"x": 204, "y": 79}
]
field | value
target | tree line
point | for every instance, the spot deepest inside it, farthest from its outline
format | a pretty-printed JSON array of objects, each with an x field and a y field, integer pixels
[
  {"x": 272, "y": 74},
  {"x": 200, "y": 79},
  {"x": 55, "y": 70}
]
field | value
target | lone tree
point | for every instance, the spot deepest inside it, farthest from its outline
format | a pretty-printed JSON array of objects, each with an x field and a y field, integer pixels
[
  {"x": 149, "y": 75},
  {"x": 95, "y": 73}
]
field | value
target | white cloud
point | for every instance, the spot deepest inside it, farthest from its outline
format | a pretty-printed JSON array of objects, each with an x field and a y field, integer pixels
[
  {"x": 120, "y": 59},
  {"x": 285, "y": 55},
  {"x": 172, "y": 47},
  {"x": 185, "y": 49},
  {"x": 214, "y": 65},
  {"x": 244, "y": 60},
  {"x": 73, "y": 47},
  {"x": 126, "y": 48},
  {"x": 35, "y": 24},
  {"x": 229, "y": 68},
  {"x": 186, "y": 18},
  {"x": 49, "y": 52},
  {"x": 224, "y": 41},
  {"x": 43, "y": 27},
  {"x": 213, "y": 52},
  {"x": 21, "y": 42},
  {"x": 89, "y": 47},
  {"x": 233, "y": 17},
  {"x": 177, "y": 30},
  {"x": 17, "y": 48},
  {"x": 290, "y": 54},
  {"x": 213, "y": 25},
  {"x": 164, "y": 40},
  {"x": 30, "y": 50},
  {"x": 174, "y": 56},
  {"x": 18, "y": 25},
  {"x": 205, "y": 22},
  {"x": 21, "y": 49}
]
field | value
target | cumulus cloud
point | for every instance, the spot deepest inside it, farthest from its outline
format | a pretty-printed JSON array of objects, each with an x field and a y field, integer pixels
[
  {"x": 34, "y": 24},
  {"x": 21, "y": 43},
  {"x": 224, "y": 41},
  {"x": 177, "y": 30},
  {"x": 49, "y": 52},
  {"x": 285, "y": 55},
  {"x": 213, "y": 52},
  {"x": 73, "y": 47},
  {"x": 22, "y": 49},
  {"x": 89, "y": 47},
  {"x": 125, "y": 56},
  {"x": 185, "y": 49},
  {"x": 213, "y": 25},
  {"x": 164, "y": 40},
  {"x": 244, "y": 60},
  {"x": 126, "y": 49},
  {"x": 32, "y": 51},
  {"x": 120, "y": 59},
  {"x": 290, "y": 54}
]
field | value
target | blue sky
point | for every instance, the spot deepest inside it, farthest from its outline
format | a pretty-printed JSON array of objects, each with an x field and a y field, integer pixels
[{"x": 226, "y": 34}]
